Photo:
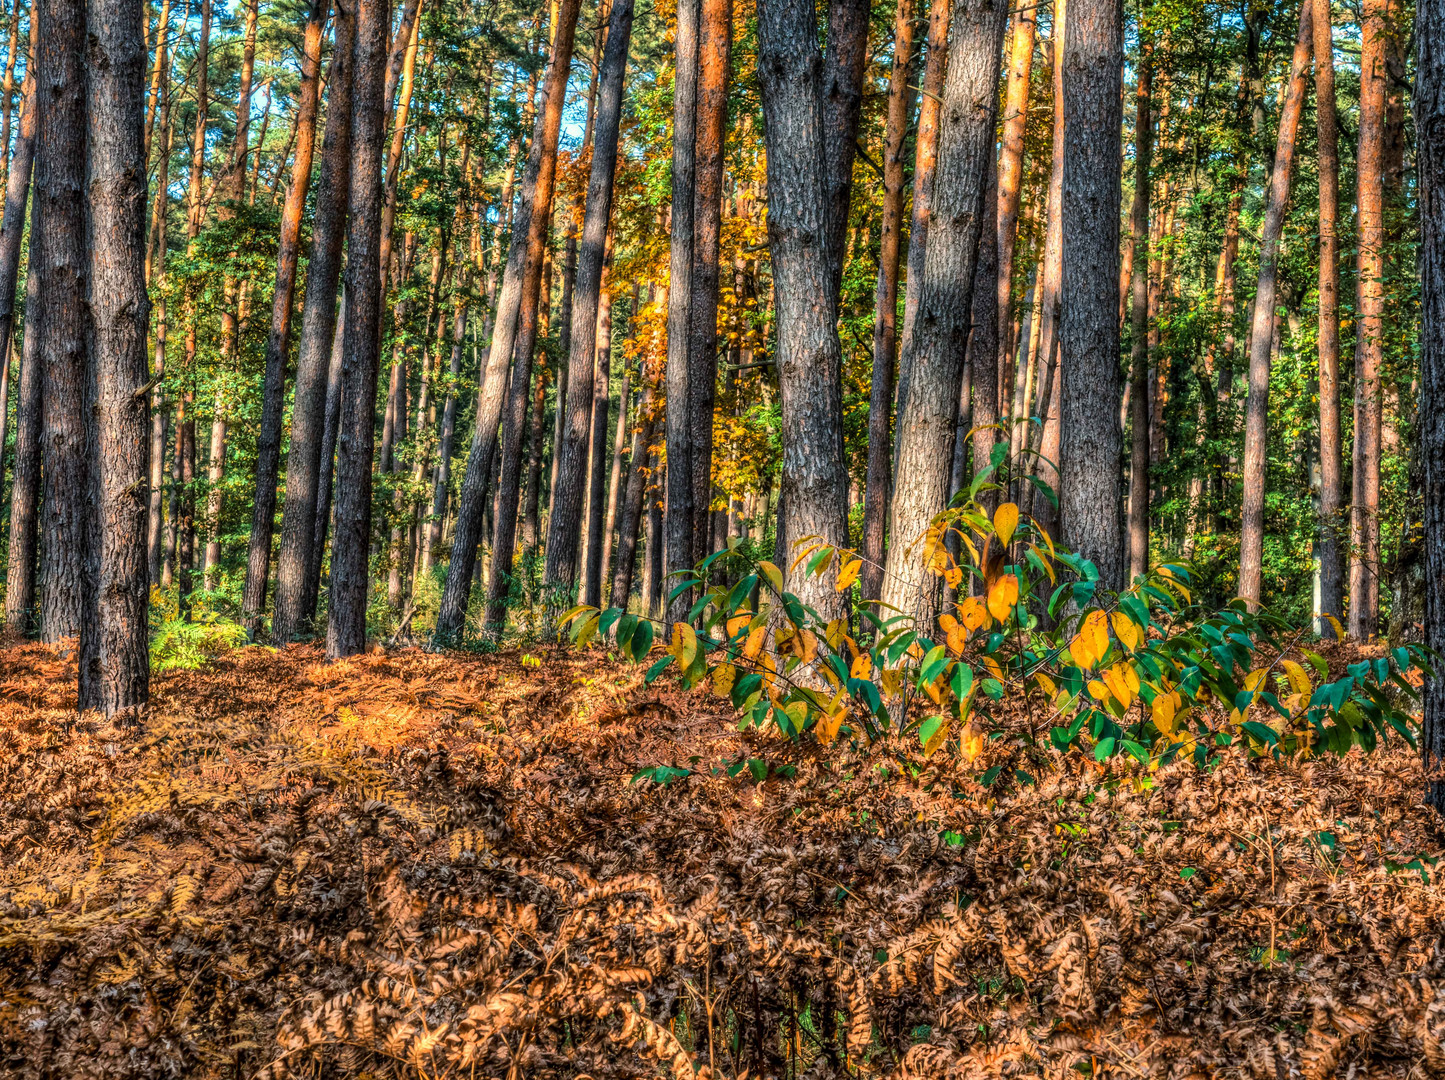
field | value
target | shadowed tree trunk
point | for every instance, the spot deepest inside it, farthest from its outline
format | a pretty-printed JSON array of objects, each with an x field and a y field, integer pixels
[
  {"x": 843, "y": 65},
  {"x": 564, "y": 523},
  {"x": 878, "y": 493},
  {"x": 1430, "y": 166},
  {"x": 1089, "y": 325},
  {"x": 521, "y": 284},
  {"x": 983, "y": 370},
  {"x": 330, "y": 432},
  {"x": 20, "y": 612},
  {"x": 678, "y": 421},
  {"x": 67, "y": 570},
  {"x": 17, "y": 192},
  {"x": 597, "y": 443},
  {"x": 346, "y": 622},
  {"x": 440, "y": 488},
  {"x": 119, "y": 311},
  {"x": 1251, "y": 519},
  {"x": 1139, "y": 325},
  {"x": 614, "y": 473},
  {"x": 1369, "y": 347},
  {"x": 1327, "y": 139},
  {"x": 298, "y": 563},
  {"x": 273, "y": 391},
  {"x": 927, "y": 416}
]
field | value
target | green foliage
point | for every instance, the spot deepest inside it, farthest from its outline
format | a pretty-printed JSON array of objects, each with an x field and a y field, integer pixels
[{"x": 179, "y": 644}]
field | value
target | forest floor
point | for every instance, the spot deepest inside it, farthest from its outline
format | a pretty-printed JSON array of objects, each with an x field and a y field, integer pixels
[{"x": 437, "y": 865}]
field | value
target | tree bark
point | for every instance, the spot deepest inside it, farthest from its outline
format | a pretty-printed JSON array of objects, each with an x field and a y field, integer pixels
[
  {"x": 1369, "y": 348},
  {"x": 1251, "y": 521},
  {"x": 298, "y": 563},
  {"x": 982, "y": 368},
  {"x": 1139, "y": 324},
  {"x": 325, "y": 489},
  {"x": 633, "y": 509},
  {"x": 843, "y": 66},
  {"x": 1430, "y": 170},
  {"x": 1327, "y": 139},
  {"x": 879, "y": 491},
  {"x": 361, "y": 346},
  {"x": 119, "y": 313},
  {"x": 597, "y": 444},
  {"x": 17, "y": 192},
  {"x": 1091, "y": 441},
  {"x": 565, "y": 520},
  {"x": 273, "y": 391},
  {"x": 1048, "y": 287},
  {"x": 21, "y": 616},
  {"x": 679, "y": 433},
  {"x": 521, "y": 283},
  {"x": 1010, "y": 174},
  {"x": 927, "y": 416},
  {"x": 68, "y": 572},
  {"x": 614, "y": 472},
  {"x": 442, "y": 484}
]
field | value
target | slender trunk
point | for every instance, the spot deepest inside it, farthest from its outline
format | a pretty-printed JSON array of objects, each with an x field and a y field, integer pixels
[
  {"x": 17, "y": 192},
  {"x": 20, "y": 613},
  {"x": 982, "y": 369},
  {"x": 565, "y": 520},
  {"x": 1054, "y": 226},
  {"x": 656, "y": 543},
  {"x": 1139, "y": 326},
  {"x": 1369, "y": 350},
  {"x": 614, "y": 473},
  {"x": 156, "y": 262},
  {"x": 7, "y": 92},
  {"x": 517, "y": 304},
  {"x": 273, "y": 391},
  {"x": 925, "y": 163},
  {"x": 714, "y": 49},
  {"x": 597, "y": 444},
  {"x": 564, "y": 350},
  {"x": 1327, "y": 136},
  {"x": 843, "y": 66},
  {"x": 119, "y": 313},
  {"x": 160, "y": 75},
  {"x": 1430, "y": 169},
  {"x": 1251, "y": 526},
  {"x": 1011, "y": 171},
  {"x": 633, "y": 509},
  {"x": 298, "y": 563},
  {"x": 440, "y": 489},
  {"x": 878, "y": 493},
  {"x": 679, "y": 430},
  {"x": 361, "y": 345},
  {"x": 532, "y": 500},
  {"x": 330, "y": 433},
  {"x": 927, "y": 417}
]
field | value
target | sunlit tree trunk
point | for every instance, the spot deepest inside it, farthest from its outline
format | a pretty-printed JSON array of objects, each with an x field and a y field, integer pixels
[
  {"x": 1053, "y": 269},
  {"x": 298, "y": 563},
  {"x": 17, "y": 193},
  {"x": 926, "y": 417},
  {"x": 1139, "y": 324},
  {"x": 1327, "y": 137},
  {"x": 1010, "y": 173},
  {"x": 633, "y": 509},
  {"x": 20, "y": 612},
  {"x": 1251, "y": 521},
  {"x": 597, "y": 444}
]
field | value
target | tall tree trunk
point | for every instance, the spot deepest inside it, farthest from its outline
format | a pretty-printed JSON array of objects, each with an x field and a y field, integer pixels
[
  {"x": 160, "y": 75},
  {"x": 68, "y": 582},
  {"x": 521, "y": 283},
  {"x": 714, "y": 50},
  {"x": 878, "y": 493},
  {"x": 614, "y": 472},
  {"x": 273, "y": 390},
  {"x": 1327, "y": 139},
  {"x": 325, "y": 488},
  {"x": 361, "y": 346},
  {"x": 564, "y": 351},
  {"x": 633, "y": 510},
  {"x": 982, "y": 369},
  {"x": 156, "y": 263},
  {"x": 1369, "y": 349},
  {"x": 597, "y": 444},
  {"x": 532, "y": 499},
  {"x": 1010, "y": 173},
  {"x": 1430, "y": 169},
  {"x": 927, "y": 417},
  {"x": 20, "y": 613},
  {"x": 564, "y": 522},
  {"x": 440, "y": 489},
  {"x": 1139, "y": 325},
  {"x": 298, "y": 562},
  {"x": 17, "y": 192},
  {"x": 1091, "y": 441},
  {"x": 843, "y": 66},
  {"x": 925, "y": 164},
  {"x": 679, "y": 432},
  {"x": 1251, "y": 520},
  {"x": 1053, "y": 269},
  {"x": 119, "y": 313}
]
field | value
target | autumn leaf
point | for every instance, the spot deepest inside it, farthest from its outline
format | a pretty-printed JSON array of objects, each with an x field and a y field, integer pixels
[
  {"x": 1005, "y": 521},
  {"x": 1003, "y": 596},
  {"x": 1092, "y": 641},
  {"x": 1127, "y": 631},
  {"x": 848, "y": 573}
]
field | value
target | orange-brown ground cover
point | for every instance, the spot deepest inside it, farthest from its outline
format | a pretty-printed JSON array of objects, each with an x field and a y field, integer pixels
[{"x": 431, "y": 865}]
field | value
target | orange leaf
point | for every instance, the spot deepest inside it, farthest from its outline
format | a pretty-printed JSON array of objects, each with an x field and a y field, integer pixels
[{"x": 1003, "y": 596}]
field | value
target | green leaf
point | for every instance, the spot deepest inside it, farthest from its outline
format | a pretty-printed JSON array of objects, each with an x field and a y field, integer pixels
[
  {"x": 661, "y": 774},
  {"x": 932, "y": 664},
  {"x": 929, "y": 728},
  {"x": 658, "y": 668},
  {"x": 1188, "y": 872},
  {"x": 641, "y": 644},
  {"x": 1104, "y": 748},
  {"x": 759, "y": 768}
]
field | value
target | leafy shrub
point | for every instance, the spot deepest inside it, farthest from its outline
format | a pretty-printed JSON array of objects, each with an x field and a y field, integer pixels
[
  {"x": 181, "y": 645},
  {"x": 1144, "y": 672}
]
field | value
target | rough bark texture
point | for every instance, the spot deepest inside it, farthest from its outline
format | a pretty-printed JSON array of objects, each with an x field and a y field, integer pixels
[
  {"x": 1047, "y": 288},
  {"x": 12, "y": 226},
  {"x": 714, "y": 49},
  {"x": 679, "y": 433},
  {"x": 1430, "y": 166},
  {"x": 597, "y": 445},
  {"x": 21, "y": 616},
  {"x": 67, "y": 576},
  {"x": 346, "y": 623},
  {"x": 119, "y": 313},
  {"x": 1089, "y": 326},
  {"x": 297, "y": 562},
  {"x": 632, "y": 506},
  {"x": 1369, "y": 350},
  {"x": 278, "y": 340},
  {"x": 980, "y": 409},
  {"x": 926, "y": 417},
  {"x": 564, "y": 524},
  {"x": 1011, "y": 170},
  {"x": 614, "y": 472},
  {"x": 1331, "y": 601},
  {"x": 442, "y": 483},
  {"x": 843, "y": 66},
  {"x": 879, "y": 492},
  {"x": 520, "y": 280},
  {"x": 1256, "y": 417},
  {"x": 1139, "y": 324},
  {"x": 325, "y": 488}
]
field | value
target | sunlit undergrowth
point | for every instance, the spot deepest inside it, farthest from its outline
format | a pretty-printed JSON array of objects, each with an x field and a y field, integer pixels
[{"x": 437, "y": 866}]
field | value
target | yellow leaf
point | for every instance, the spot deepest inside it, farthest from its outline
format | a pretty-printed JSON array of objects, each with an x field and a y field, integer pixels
[
  {"x": 973, "y": 613},
  {"x": 808, "y": 646},
  {"x": 1162, "y": 712},
  {"x": 1005, "y": 521},
  {"x": 953, "y": 576},
  {"x": 684, "y": 644},
  {"x": 755, "y": 643},
  {"x": 993, "y": 669},
  {"x": 1045, "y": 562},
  {"x": 1092, "y": 641},
  {"x": 1298, "y": 680},
  {"x": 848, "y": 573},
  {"x": 1339, "y": 630},
  {"x": 1118, "y": 682},
  {"x": 773, "y": 574},
  {"x": 722, "y": 679},
  {"x": 1003, "y": 596},
  {"x": 802, "y": 557},
  {"x": 971, "y": 742},
  {"x": 862, "y": 667},
  {"x": 1127, "y": 631},
  {"x": 828, "y": 725},
  {"x": 738, "y": 623},
  {"x": 936, "y": 739},
  {"x": 1046, "y": 684},
  {"x": 1098, "y": 691}
]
